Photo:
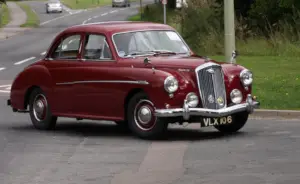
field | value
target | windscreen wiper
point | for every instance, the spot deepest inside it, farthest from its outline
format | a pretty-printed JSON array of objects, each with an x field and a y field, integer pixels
[
  {"x": 159, "y": 52},
  {"x": 140, "y": 53}
]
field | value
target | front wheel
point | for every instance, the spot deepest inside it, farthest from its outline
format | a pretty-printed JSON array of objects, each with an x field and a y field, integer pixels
[
  {"x": 141, "y": 119},
  {"x": 238, "y": 121},
  {"x": 39, "y": 111}
]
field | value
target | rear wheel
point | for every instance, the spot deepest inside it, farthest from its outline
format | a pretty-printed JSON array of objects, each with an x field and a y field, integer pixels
[
  {"x": 238, "y": 121},
  {"x": 39, "y": 111},
  {"x": 141, "y": 119}
]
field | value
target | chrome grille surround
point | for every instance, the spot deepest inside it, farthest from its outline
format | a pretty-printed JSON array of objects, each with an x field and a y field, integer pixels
[{"x": 210, "y": 79}]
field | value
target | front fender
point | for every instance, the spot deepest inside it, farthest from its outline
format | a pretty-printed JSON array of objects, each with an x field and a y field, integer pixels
[
  {"x": 232, "y": 80},
  {"x": 160, "y": 97},
  {"x": 35, "y": 75}
]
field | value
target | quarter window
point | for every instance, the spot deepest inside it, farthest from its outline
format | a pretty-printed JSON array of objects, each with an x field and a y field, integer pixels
[
  {"x": 68, "y": 48},
  {"x": 96, "y": 48}
]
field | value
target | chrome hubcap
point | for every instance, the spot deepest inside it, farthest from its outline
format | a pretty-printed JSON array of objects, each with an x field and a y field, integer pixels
[
  {"x": 144, "y": 115},
  {"x": 40, "y": 107}
]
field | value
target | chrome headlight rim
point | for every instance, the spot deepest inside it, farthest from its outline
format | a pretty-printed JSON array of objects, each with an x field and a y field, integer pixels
[
  {"x": 190, "y": 101},
  {"x": 169, "y": 81},
  {"x": 236, "y": 96},
  {"x": 246, "y": 75}
]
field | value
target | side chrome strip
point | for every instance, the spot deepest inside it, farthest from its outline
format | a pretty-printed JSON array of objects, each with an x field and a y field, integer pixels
[{"x": 104, "y": 81}]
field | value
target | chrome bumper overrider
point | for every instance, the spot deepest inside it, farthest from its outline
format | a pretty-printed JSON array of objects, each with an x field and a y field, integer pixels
[{"x": 186, "y": 111}]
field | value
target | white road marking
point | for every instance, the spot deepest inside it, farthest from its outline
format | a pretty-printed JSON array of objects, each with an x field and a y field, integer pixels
[
  {"x": 113, "y": 11},
  {"x": 48, "y": 21},
  {"x": 84, "y": 22},
  {"x": 122, "y": 9},
  {"x": 43, "y": 53},
  {"x": 280, "y": 132},
  {"x": 2, "y": 68},
  {"x": 25, "y": 60},
  {"x": 2, "y": 91},
  {"x": 89, "y": 19},
  {"x": 95, "y": 17},
  {"x": 6, "y": 90},
  {"x": 103, "y": 14}
]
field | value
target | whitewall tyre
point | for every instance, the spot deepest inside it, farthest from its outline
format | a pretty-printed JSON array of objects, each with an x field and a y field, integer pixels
[
  {"x": 39, "y": 110},
  {"x": 141, "y": 119}
]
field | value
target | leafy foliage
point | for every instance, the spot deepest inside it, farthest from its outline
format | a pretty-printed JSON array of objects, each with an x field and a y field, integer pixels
[{"x": 2, "y": 1}]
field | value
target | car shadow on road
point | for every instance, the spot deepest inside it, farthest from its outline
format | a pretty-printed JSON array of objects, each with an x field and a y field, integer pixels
[{"x": 88, "y": 129}]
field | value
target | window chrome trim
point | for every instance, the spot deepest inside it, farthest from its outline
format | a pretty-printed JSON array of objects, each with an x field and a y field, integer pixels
[
  {"x": 61, "y": 41},
  {"x": 144, "y": 30},
  {"x": 105, "y": 81}
]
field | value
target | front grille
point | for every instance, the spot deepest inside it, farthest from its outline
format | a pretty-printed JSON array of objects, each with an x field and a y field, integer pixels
[{"x": 211, "y": 86}]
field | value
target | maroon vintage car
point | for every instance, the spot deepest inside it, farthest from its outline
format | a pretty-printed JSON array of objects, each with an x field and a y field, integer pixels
[{"x": 138, "y": 74}]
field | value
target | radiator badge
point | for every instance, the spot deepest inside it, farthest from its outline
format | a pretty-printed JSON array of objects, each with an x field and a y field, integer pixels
[
  {"x": 210, "y": 70},
  {"x": 210, "y": 99},
  {"x": 220, "y": 100}
]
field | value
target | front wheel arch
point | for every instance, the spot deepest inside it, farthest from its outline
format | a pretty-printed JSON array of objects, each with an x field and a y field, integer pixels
[
  {"x": 130, "y": 94},
  {"x": 27, "y": 95}
]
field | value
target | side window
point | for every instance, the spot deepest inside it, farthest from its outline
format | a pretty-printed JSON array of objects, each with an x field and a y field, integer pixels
[
  {"x": 68, "y": 48},
  {"x": 96, "y": 48}
]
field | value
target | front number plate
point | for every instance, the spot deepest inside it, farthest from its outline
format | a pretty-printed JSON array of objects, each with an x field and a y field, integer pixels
[{"x": 206, "y": 122}]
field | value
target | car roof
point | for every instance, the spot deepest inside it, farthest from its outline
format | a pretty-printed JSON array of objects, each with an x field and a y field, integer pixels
[{"x": 117, "y": 27}]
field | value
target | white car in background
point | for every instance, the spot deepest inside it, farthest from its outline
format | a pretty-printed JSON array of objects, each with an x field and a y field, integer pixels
[
  {"x": 122, "y": 3},
  {"x": 54, "y": 6}
]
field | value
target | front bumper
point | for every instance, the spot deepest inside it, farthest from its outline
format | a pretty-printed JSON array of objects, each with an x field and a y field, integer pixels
[
  {"x": 186, "y": 112},
  {"x": 56, "y": 9}
]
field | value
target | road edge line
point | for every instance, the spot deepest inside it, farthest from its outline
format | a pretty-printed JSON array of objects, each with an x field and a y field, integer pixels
[{"x": 276, "y": 113}]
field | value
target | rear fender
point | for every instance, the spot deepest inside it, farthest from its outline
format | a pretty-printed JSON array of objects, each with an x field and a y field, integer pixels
[{"x": 33, "y": 76}]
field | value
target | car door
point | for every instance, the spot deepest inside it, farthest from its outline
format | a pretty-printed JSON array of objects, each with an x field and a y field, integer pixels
[
  {"x": 65, "y": 66},
  {"x": 97, "y": 94}
]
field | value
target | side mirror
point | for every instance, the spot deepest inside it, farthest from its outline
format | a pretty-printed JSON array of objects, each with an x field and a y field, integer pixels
[{"x": 234, "y": 55}]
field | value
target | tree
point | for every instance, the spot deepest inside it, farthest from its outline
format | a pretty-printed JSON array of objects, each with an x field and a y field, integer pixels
[
  {"x": 171, "y": 4},
  {"x": 2, "y": 1}
]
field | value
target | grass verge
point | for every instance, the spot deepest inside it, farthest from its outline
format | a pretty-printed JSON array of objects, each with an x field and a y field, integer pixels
[
  {"x": 32, "y": 18},
  {"x": 5, "y": 16},
  {"x": 84, "y": 4},
  {"x": 276, "y": 80},
  {"x": 276, "y": 77}
]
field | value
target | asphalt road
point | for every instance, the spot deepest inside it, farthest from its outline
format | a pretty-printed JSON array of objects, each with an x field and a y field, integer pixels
[{"x": 91, "y": 152}]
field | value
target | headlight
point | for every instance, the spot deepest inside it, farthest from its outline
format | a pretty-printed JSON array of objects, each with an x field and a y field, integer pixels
[
  {"x": 192, "y": 99},
  {"x": 236, "y": 96},
  {"x": 246, "y": 77},
  {"x": 171, "y": 84}
]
